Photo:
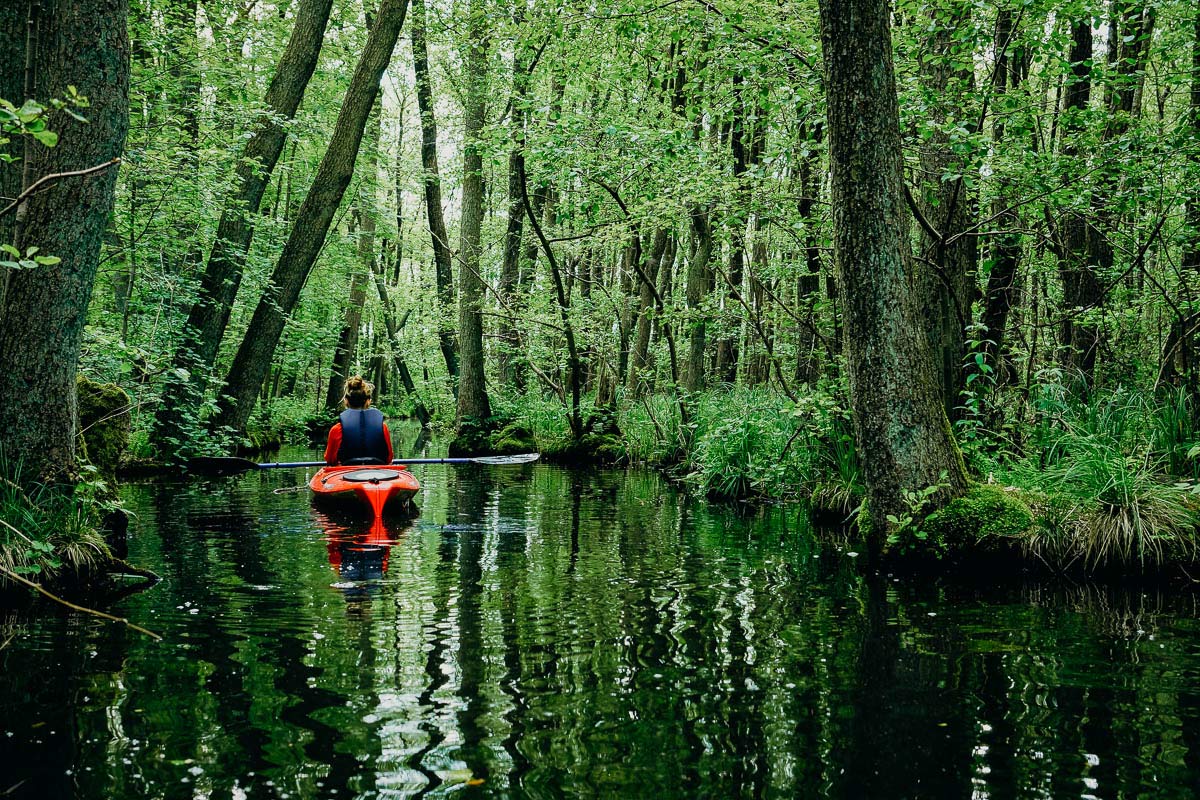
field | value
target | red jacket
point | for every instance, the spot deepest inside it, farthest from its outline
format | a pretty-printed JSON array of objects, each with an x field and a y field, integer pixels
[{"x": 335, "y": 443}]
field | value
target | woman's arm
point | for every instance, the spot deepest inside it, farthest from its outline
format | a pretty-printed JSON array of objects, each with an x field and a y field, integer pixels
[{"x": 334, "y": 444}]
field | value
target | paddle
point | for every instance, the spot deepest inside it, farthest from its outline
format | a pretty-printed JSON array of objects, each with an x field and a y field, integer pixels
[{"x": 212, "y": 465}]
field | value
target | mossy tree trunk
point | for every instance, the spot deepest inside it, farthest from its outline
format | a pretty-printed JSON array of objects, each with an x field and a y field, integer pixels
[
  {"x": 901, "y": 431},
  {"x": 83, "y": 43},
  {"x": 253, "y": 360},
  {"x": 473, "y": 404}
]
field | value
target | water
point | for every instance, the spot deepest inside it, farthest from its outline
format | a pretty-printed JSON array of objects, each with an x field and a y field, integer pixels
[{"x": 545, "y": 632}]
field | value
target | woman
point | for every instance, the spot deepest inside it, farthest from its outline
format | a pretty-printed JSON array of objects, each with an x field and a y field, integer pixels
[{"x": 360, "y": 435}]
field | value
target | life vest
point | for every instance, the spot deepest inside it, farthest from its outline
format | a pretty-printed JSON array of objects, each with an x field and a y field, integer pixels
[{"x": 362, "y": 437}]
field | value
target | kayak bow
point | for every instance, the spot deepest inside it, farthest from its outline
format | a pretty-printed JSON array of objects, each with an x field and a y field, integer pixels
[{"x": 378, "y": 487}]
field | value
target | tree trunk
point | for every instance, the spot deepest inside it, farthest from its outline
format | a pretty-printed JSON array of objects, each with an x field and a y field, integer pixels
[
  {"x": 393, "y": 332},
  {"x": 1082, "y": 247},
  {"x": 901, "y": 431},
  {"x": 636, "y": 383},
  {"x": 1181, "y": 350},
  {"x": 808, "y": 285},
  {"x": 727, "y": 346},
  {"x": 83, "y": 43},
  {"x": 209, "y": 316},
  {"x": 14, "y": 32},
  {"x": 316, "y": 213},
  {"x": 1006, "y": 245},
  {"x": 433, "y": 196},
  {"x": 365, "y": 222},
  {"x": 343, "y": 355},
  {"x": 697, "y": 284},
  {"x": 473, "y": 404},
  {"x": 946, "y": 271},
  {"x": 512, "y": 377}
]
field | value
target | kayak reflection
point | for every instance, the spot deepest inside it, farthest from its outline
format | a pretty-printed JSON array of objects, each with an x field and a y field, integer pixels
[{"x": 358, "y": 551}]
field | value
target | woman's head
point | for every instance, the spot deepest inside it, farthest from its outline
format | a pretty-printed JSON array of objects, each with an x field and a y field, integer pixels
[{"x": 357, "y": 392}]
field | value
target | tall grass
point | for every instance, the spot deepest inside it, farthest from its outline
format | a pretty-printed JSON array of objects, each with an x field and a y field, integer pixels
[
  {"x": 47, "y": 530},
  {"x": 750, "y": 442},
  {"x": 1105, "y": 470}
]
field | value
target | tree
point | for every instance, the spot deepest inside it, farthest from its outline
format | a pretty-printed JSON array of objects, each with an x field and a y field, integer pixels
[
  {"x": 442, "y": 257},
  {"x": 81, "y": 44},
  {"x": 948, "y": 257},
  {"x": 253, "y": 360},
  {"x": 473, "y": 405},
  {"x": 209, "y": 316},
  {"x": 1082, "y": 247},
  {"x": 899, "y": 422}
]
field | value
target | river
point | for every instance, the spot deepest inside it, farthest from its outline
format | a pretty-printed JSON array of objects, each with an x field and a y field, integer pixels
[{"x": 539, "y": 631}]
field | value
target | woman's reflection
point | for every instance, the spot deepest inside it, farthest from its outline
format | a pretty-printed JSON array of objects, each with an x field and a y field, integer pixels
[{"x": 358, "y": 551}]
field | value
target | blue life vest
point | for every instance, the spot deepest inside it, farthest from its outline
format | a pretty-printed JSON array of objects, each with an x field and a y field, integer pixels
[{"x": 362, "y": 437}]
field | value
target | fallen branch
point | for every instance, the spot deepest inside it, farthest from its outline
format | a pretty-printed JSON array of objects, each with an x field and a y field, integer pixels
[{"x": 19, "y": 579}]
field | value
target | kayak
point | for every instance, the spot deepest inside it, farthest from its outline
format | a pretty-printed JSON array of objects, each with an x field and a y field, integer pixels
[{"x": 376, "y": 488}]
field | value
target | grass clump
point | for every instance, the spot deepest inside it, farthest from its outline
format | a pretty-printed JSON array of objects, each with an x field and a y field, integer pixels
[
  {"x": 47, "y": 532},
  {"x": 1103, "y": 472},
  {"x": 751, "y": 443}
]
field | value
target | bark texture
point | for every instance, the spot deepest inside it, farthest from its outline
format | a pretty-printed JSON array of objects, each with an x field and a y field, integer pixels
[
  {"x": 901, "y": 431},
  {"x": 472, "y": 389},
  {"x": 83, "y": 43}
]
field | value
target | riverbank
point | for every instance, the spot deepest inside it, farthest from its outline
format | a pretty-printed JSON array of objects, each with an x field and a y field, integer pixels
[{"x": 1110, "y": 485}]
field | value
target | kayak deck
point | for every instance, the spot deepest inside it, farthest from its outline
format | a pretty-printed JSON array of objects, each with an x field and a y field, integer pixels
[{"x": 376, "y": 488}]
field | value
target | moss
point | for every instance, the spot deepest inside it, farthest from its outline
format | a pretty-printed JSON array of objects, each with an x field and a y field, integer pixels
[
  {"x": 512, "y": 439},
  {"x": 984, "y": 512},
  {"x": 863, "y": 521},
  {"x": 473, "y": 438},
  {"x": 104, "y": 423}
]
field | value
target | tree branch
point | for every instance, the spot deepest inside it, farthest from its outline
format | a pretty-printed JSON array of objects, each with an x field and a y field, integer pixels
[{"x": 56, "y": 176}]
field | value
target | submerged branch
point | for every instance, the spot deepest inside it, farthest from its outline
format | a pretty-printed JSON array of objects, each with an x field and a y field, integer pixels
[{"x": 39, "y": 588}]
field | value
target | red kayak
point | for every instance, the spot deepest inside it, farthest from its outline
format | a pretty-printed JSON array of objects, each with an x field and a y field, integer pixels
[{"x": 390, "y": 487}]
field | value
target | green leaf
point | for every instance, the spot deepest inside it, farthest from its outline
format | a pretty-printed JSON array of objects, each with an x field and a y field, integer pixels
[
  {"x": 48, "y": 138},
  {"x": 47, "y": 261},
  {"x": 30, "y": 111},
  {"x": 8, "y": 248}
]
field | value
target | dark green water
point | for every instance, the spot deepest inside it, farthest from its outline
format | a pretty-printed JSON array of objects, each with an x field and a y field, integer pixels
[{"x": 542, "y": 632}]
